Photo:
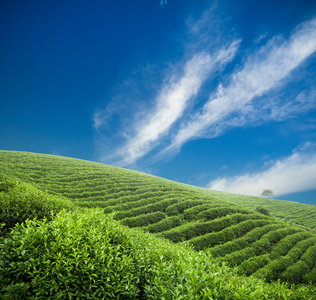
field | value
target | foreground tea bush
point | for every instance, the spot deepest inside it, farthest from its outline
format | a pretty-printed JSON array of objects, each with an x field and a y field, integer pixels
[
  {"x": 87, "y": 255},
  {"x": 75, "y": 255},
  {"x": 20, "y": 201}
]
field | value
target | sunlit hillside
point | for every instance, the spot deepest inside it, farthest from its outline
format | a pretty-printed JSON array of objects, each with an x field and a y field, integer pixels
[
  {"x": 49, "y": 249},
  {"x": 254, "y": 242}
]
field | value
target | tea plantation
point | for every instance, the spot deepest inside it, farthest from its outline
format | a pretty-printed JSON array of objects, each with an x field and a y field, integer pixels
[{"x": 102, "y": 232}]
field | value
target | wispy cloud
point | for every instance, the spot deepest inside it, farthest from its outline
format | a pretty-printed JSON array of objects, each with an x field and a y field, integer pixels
[
  {"x": 251, "y": 94},
  {"x": 260, "y": 37},
  {"x": 288, "y": 175},
  {"x": 265, "y": 109},
  {"x": 172, "y": 100},
  {"x": 262, "y": 72}
]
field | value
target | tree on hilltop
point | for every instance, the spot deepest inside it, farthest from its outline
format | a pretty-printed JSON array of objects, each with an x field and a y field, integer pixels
[{"x": 267, "y": 193}]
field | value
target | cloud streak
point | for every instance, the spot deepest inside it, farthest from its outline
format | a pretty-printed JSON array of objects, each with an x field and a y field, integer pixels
[
  {"x": 187, "y": 106},
  {"x": 172, "y": 101},
  {"x": 292, "y": 174},
  {"x": 261, "y": 73}
]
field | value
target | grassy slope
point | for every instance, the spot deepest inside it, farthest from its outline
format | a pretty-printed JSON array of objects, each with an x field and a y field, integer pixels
[{"x": 207, "y": 219}]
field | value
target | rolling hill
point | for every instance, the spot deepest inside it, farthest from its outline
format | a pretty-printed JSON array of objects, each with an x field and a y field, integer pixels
[{"x": 226, "y": 226}]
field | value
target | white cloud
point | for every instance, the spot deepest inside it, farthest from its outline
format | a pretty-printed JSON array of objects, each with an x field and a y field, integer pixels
[
  {"x": 246, "y": 96},
  {"x": 171, "y": 102},
  {"x": 267, "y": 109},
  {"x": 261, "y": 73},
  {"x": 260, "y": 37},
  {"x": 98, "y": 120},
  {"x": 288, "y": 175}
]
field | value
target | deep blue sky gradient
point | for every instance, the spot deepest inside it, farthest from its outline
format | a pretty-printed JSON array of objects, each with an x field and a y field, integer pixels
[{"x": 63, "y": 62}]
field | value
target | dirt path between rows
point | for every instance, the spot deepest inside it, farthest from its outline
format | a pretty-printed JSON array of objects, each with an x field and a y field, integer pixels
[{"x": 306, "y": 227}]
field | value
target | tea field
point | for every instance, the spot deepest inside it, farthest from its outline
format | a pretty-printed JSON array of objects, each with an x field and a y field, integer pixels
[{"x": 226, "y": 227}]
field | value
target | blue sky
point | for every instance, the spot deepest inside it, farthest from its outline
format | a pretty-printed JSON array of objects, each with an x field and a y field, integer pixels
[{"x": 219, "y": 94}]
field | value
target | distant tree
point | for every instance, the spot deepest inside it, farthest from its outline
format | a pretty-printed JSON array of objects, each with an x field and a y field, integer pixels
[{"x": 267, "y": 193}]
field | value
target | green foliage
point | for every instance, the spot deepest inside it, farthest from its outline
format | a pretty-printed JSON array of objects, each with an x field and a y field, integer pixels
[
  {"x": 310, "y": 278},
  {"x": 226, "y": 234},
  {"x": 292, "y": 212},
  {"x": 287, "y": 244},
  {"x": 159, "y": 206},
  {"x": 165, "y": 224},
  {"x": 266, "y": 244},
  {"x": 225, "y": 225},
  {"x": 89, "y": 256},
  {"x": 248, "y": 267},
  {"x": 263, "y": 210},
  {"x": 20, "y": 201},
  {"x": 243, "y": 242},
  {"x": 144, "y": 220},
  {"x": 83, "y": 256},
  {"x": 192, "y": 230},
  {"x": 6, "y": 183},
  {"x": 190, "y": 214},
  {"x": 277, "y": 268},
  {"x": 179, "y": 207},
  {"x": 214, "y": 213},
  {"x": 294, "y": 273},
  {"x": 87, "y": 182}
]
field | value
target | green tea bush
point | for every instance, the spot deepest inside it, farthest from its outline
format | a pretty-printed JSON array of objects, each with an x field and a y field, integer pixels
[
  {"x": 276, "y": 235},
  {"x": 144, "y": 220},
  {"x": 263, "y": 210},
  {"x": 299, "y": 249},
  {"x": 22, "y": 201},
  {"x": 295, "y": 273},
  {"x": 75, "y": 256},
  {"x": 177, "y": 272},
  {"x": 131, "y": 205},
  {"x": 193, "y": 230},
  {"x": 237, "y": 257},
  {"x": 179, "y": 207},
  {"x": 274, "y": 268},
  {"x": 214, "y": 213},
  {"x": 6, "y": 183},
  {"x": 309, "y": 257},
  {"x": 228, "y": 247},
  {"x": 284, "y": 245},
  {"x": 253, "y": 264},
  {"x": 191, "y": 213},
  {"x": 267, "y": 241},
  {"x": 242, "y": 242},
  {"x": 165, "y": 224},
  {"x": 310, "y": 278},
  {"x": 159, "y": 206},
  {"x": 227, "y": 234},
  {"x": 261, "y": 246}
]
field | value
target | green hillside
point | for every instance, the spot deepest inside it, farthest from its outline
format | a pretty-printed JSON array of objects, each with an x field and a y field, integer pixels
[
  {"x": 90, "y": 184},
  {"x": 84, "y": 254},
  {"x": 292, "y": 212},
  {"x": 226, "y": 226}
]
